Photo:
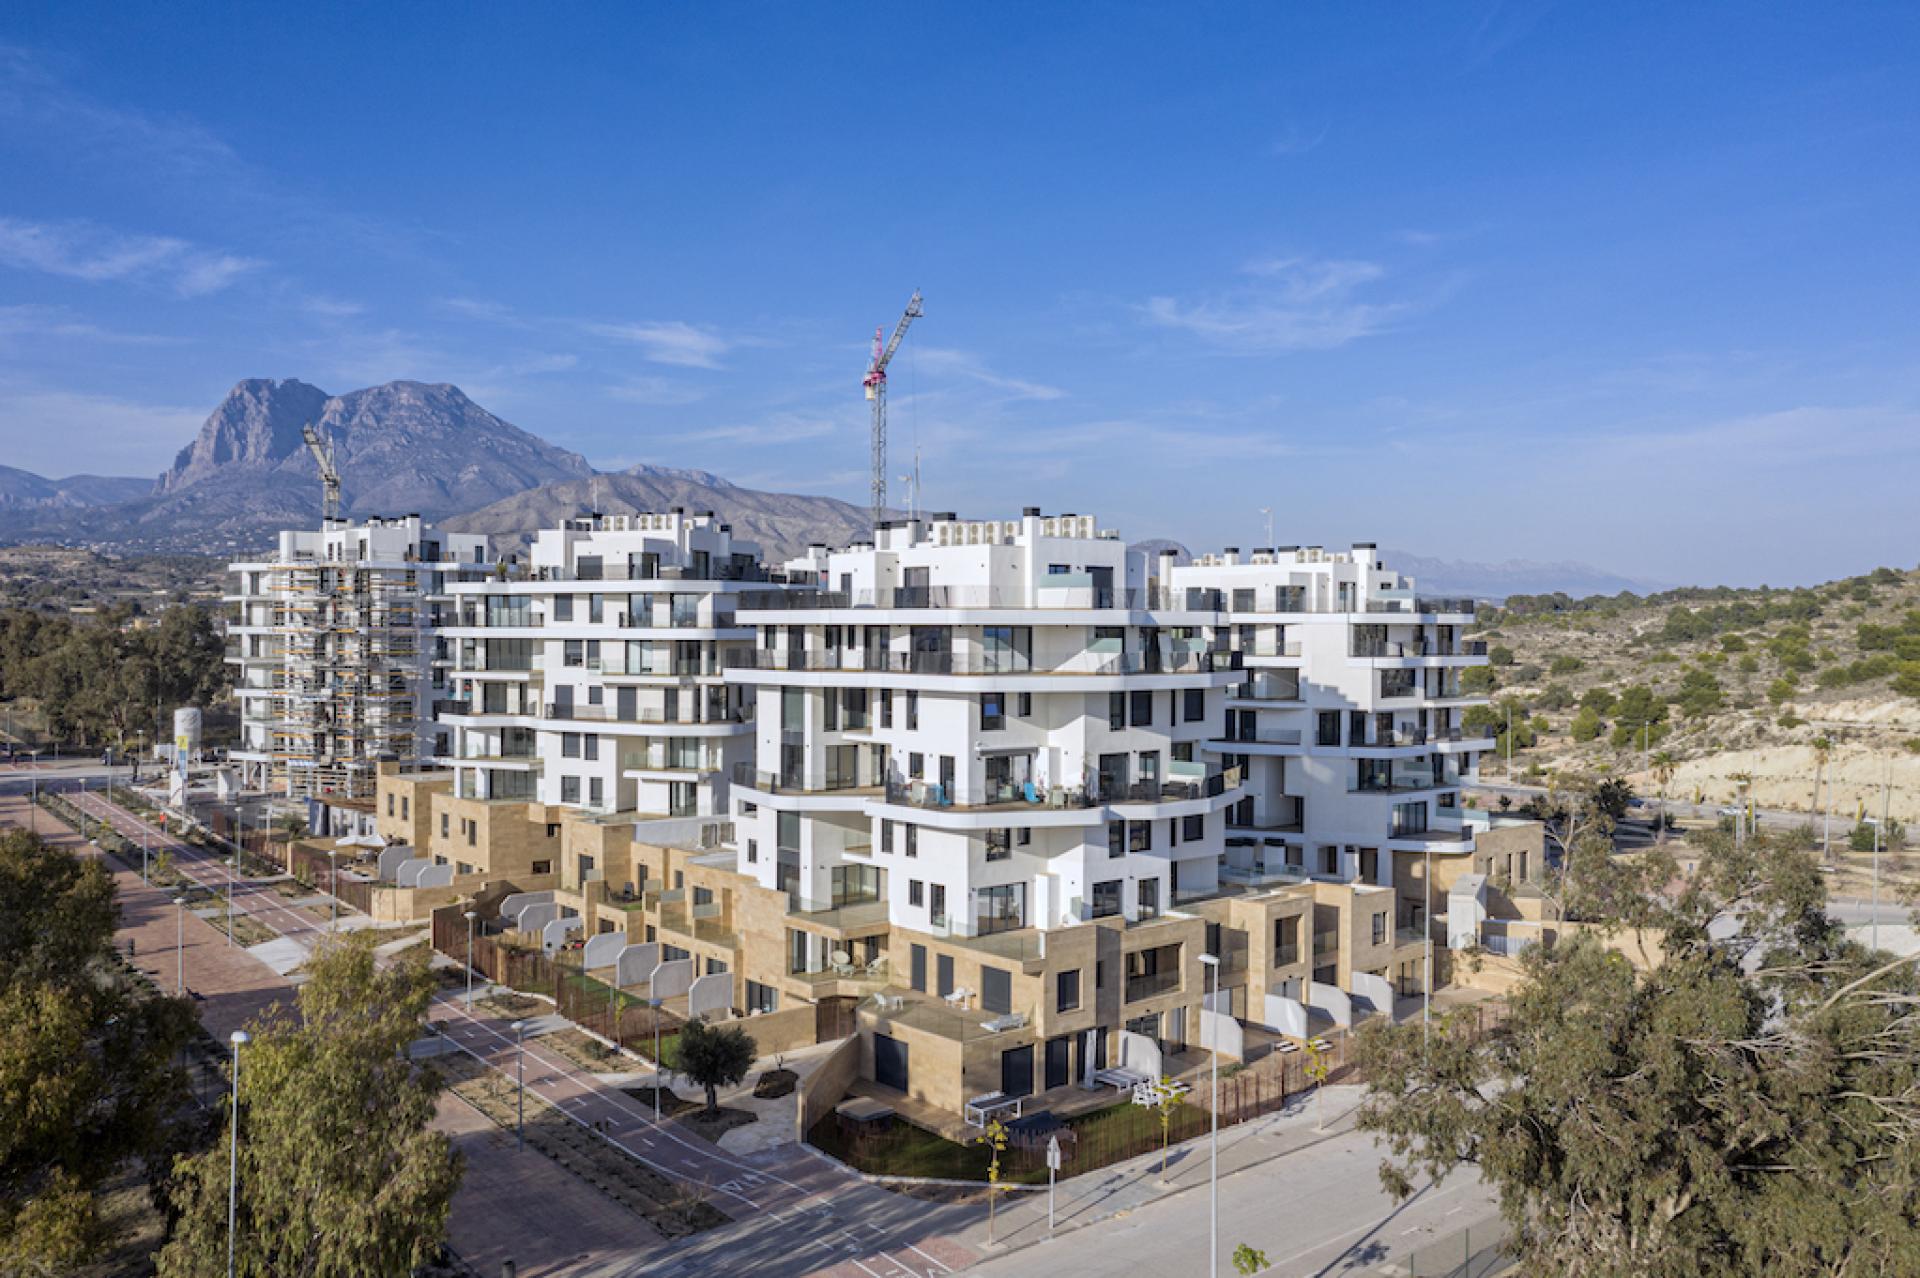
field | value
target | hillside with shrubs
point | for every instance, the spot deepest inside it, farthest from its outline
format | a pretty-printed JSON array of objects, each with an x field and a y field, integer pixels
[{"x": 1804, "y": 697}]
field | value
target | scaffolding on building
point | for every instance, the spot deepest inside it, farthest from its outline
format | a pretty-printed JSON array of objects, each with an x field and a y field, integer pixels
[{"x": 350, "y": 637}]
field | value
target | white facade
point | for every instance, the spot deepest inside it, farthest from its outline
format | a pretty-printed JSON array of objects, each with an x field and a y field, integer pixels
[
  {"x": 1349, "y": 720},
  {"x": 592, "y": 677},
  {"x": 334, "y": 636},
  {"x": 983, "y": 726}
]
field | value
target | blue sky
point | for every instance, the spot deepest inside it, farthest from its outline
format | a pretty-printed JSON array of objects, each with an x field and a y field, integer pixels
[{"x": 1631, "y": 284}]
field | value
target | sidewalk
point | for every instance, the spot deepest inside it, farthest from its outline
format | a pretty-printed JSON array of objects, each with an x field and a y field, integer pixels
[
  {"x": 1021, "y": 1217},
  {"x": 526, "y": 1208}
]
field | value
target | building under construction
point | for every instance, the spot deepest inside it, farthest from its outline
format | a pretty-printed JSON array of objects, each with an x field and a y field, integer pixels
[{"x": 336, "y": 642}]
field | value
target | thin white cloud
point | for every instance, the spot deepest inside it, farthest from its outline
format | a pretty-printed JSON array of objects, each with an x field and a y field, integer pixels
[
  {"x": 938, "y": 360},
  {"x": 776, "y": 428},
  {"x": 478, "y": 309},
  {"x": 84, "y": 252},
  {"x": 1296, "y": 141},
  {"x": 57, "y": 321},
  {"x": 1298, "y": 304},
  {"x": 331, "y": 307},
  {"x": 57, "y": 432},
  {"x": 659, "y": 391},
  {"x": 673, "y": 342}
]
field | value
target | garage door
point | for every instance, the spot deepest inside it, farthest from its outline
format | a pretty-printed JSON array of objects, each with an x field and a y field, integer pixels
[{"x": 889, "y": 1062}]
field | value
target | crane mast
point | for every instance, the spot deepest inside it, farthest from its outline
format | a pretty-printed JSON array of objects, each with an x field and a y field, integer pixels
[
  {"x": 329, "y": 475},
  {"x": 876, "y": 384}
]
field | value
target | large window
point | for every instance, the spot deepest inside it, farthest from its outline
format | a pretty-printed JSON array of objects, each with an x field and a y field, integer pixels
[
  {"x": 856, "y": 884},
  {"x": 1006, "y": 649},
  {"x": 1106, "y": 899},
  {"x": 1067, "y": 990},
  {"x": 1327, "y": 728},
  {"x": 993, "y": 711},
  {"x": 1286, "y": 940},
  {"x": 762, "y": 998},
  {"x": 999, "y": 845},
  {"x": 1000, "y": 909}
]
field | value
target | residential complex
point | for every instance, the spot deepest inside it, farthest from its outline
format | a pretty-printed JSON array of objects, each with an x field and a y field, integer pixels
[
  {"x": 983, "y": 793},
  {"x": 1350, "y": 722},
  {"x": 335, "y": 636}
]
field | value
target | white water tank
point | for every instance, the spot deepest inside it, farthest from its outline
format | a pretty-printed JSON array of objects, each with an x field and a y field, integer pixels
[{"x": 186, "y": 734}]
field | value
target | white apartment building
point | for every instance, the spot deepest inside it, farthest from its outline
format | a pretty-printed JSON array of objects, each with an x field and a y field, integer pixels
[
  {"x": 591, "y": 677},
  {"x": 334, "y": 636},
  {"x": 1348, "y": 718},
  {"x": 974, "y": 727}
]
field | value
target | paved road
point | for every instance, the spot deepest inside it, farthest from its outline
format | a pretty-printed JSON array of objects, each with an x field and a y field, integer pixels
[
  {"x": 823, "y": 1220},
  {"x": 1776, "y": 819},
  {"x": 1320, "y": 1212}
]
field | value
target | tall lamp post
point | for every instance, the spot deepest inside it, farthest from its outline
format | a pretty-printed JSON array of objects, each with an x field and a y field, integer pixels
[
  {"x": 658, "y": 1081},
  {"x": 239, "y": 1040},
  {"x": 1873, "y": 920},
  {"x": 233, "y": 873},
  {"x": 472, "y": 917},
  {"x": 1212, "y": 962},
  {"x": 33, "y": 811},
  {"x": 180, "y": 945},
  {"x": 1426, "y": 926},
  {"x": 520, "y": 1043},
  {"x": 333, "y": 889}
]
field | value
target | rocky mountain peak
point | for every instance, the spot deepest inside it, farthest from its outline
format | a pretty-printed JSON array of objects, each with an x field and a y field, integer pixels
[{"x": 257, "y": 424}]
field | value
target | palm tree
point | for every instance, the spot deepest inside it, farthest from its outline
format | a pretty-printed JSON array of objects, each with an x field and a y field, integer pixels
[
  {"x": 1663, "y": 768},
  {"x": 1822, "y": 751}
]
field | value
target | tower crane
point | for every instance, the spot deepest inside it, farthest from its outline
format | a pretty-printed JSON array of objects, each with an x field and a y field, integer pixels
[
  {"x": 329, "y": 475},
  {"x": 876, "y": 384}
]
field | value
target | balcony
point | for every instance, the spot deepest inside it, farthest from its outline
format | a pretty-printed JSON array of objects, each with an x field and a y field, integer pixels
[
  {"x": 1151, "y": 985},
  {"x": 643, "y": 714},
  {"x": 1286, "y": 955},
  {"x": 1086, "y": 662},
  {"x": 745, "y": 774},
  {"x": 1326, "y": 944},
  {"x": 848, "y": 917},
  {"x": 1037, "y": 595}
]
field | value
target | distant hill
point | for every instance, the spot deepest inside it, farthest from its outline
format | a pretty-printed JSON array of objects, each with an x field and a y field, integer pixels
[
  {"x": 1512, "y": 577},
  {"x": 402, "y": 448},
  {"x": 784, "y": 524},
  {"x": 23, "y": 488}
]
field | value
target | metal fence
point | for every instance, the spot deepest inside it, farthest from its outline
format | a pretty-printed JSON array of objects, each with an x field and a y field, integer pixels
[
  {"x": 320, "y": 872},
  {"x": 585, "y": 1000}
]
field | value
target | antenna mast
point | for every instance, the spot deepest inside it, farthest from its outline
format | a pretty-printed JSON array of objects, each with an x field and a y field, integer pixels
[{"x": 876, "y": 384}]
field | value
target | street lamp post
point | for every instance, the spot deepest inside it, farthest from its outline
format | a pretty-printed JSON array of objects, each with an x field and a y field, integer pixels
[
  {"x": 654, "y": 1003},
  {"x": 180, "y": 945},
  {"x": 239, "y": 1039},
  {"x": 520, "y": 1042},
  {"x": 33, "y": 809},
  {"x": 333, "y": 893},
  {"x": 1426, "y": 926},
  {"x": 233, "y": 872},
  {"x": 472, "y": 917},
  {"x": 1212, "y": 962},
  {"x": 145, "y": 849},
  {"x": 1873, "y": 919}
]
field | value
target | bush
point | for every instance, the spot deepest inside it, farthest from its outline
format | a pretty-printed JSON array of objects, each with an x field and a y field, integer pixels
[
  {"x": 1861, "y": 840},
  {"x": 1780, "y": 690},
  {"x": 1599, "y": 700},
  {"x": 1500, "y": 655},
  {"x": 1555, "y": 697},
  {"x": 1566, "y": 665},
  {"x": 1585, "y": 725}
]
